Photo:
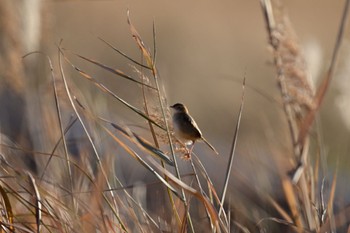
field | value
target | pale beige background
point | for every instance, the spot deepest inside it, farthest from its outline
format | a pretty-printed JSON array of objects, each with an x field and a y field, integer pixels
[{"x": 205, "y": 48}]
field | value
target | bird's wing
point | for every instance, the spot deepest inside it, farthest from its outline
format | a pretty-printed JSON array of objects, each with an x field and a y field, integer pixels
[
  {"x": 188, "y": 120},
  {"x": 190, "y": 124}
]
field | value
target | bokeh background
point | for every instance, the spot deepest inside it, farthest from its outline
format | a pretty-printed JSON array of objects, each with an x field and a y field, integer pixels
[{"x": 204, "y": 50}]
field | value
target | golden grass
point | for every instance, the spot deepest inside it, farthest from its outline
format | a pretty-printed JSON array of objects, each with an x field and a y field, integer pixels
[{"x": 85, "y": 193}]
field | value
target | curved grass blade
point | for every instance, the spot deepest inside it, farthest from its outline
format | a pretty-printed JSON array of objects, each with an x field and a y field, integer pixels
[
  {"x": 135, "y": 155},
  {"x": 8, "y": 208},
  {"x": 143, "y": 163},
  {"x": 57, "y": 105},
  {"x": 212, "y": 191},
  {"x": 97, "y": 156},
  {"x": 114, "y": 71},
  {"x": 321, "y": 92},
  {"x": 150, "y": 62},
  {"x": 70, "y": 125},
  {"x": 123, "y": 54},
  {"x": 106, "y": 90},
  {"x": 127, "y": 132},
  {"x": 37, "y": 202},
  {"x": 146, "y": 54},
  {"x": 195, "y": 173},
  {"x": 148, "y": 216},
  {"x": 211, "y": 210},
  {"x": 145, "y": 144}
]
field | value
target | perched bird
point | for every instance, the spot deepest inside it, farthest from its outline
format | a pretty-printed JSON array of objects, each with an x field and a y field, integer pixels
[{"x": 185, "y": 127}]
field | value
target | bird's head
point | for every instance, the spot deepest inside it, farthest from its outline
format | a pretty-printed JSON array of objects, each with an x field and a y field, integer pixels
[{"x": 179, "y": 107}]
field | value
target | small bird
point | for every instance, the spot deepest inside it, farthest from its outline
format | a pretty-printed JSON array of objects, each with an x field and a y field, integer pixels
[{"x": 186, "y": 128}]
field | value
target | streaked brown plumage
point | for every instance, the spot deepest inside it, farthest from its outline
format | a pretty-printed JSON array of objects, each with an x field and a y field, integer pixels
[{"x": 185, "y": 127}]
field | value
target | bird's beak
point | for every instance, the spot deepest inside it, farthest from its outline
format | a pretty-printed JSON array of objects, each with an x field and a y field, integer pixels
[{"x": 171, "y": 106}]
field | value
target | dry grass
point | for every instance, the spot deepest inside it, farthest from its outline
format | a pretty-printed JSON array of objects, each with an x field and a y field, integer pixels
[{"x": 84, "y": 192}]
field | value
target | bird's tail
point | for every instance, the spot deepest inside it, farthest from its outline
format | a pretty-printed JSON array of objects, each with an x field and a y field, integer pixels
[{"x": 211, "y": 147}]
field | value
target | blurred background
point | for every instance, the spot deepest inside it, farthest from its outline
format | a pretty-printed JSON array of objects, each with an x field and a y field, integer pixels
[{"x": 204, "y": 50}]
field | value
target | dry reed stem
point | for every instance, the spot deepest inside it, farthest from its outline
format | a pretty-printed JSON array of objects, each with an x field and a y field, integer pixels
[{"x": 297, "y": 96}]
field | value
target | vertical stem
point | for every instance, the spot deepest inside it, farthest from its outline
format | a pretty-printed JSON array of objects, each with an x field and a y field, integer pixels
[{"x": 155, "y": 75}]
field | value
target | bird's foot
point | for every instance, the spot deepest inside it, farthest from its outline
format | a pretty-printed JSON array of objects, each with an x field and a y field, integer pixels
[{"x": 186, "y": 156}]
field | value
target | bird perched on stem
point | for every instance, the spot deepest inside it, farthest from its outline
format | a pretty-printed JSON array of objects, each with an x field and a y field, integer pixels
[{"x": 186, "y": 128}]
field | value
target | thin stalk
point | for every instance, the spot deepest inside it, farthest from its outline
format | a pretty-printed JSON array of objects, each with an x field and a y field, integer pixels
[
  {"x": 62, "y": 134},
  {"x": 232, "y": 151},
  {"x": 93, "y": 147},
  {"x": 155, "y": 75},
  {"x": 157, "y": 145},
  {"x": 201, "y": 190}
]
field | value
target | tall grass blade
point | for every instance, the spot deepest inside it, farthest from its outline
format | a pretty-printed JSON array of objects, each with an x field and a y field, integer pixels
[
  {"x": 8, "y": 208},
  {"x": 106, "y": 90},
  {"x": 150, "y": 62},
  {"x": 293, "y": 203},
  {"x": 97, "y": 156},
  {"x": 331, "y": 201},
  {"x": 142, "y": 162},
  {"x": 205, "y": 201},
  {"x": 124, "y": 54},
  {"x": 146, "y": 54},
  {"x": 66, "y": 130},
  {"x": 232, "y": 150},
  {"x": 114, "y": 71},
  {"x": 147, "y": 145},
  {"x": 57, "y": 104},
  {"x": 37, "y": 204},
  {"x": 131, "y": 135}
]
